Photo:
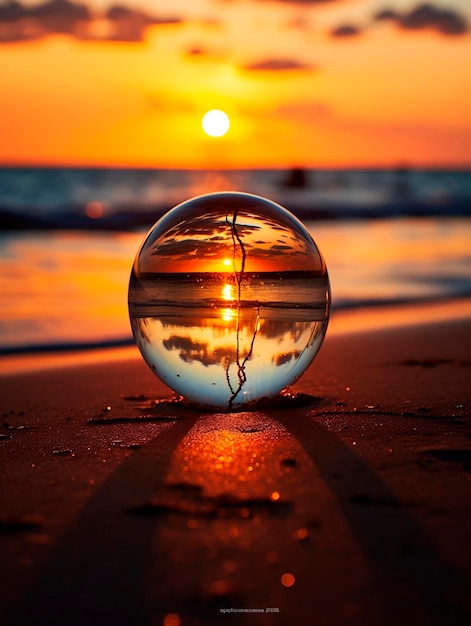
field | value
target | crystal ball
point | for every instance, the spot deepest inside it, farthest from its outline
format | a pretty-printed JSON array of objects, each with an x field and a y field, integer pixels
[{"x": 229, "y": 299}]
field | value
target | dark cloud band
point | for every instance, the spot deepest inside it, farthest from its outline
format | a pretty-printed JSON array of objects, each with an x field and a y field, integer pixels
[
  {"x": 427, "y": 16},
  {"x": 19, "y": 22},
  {"x": 277, "y": 64}
]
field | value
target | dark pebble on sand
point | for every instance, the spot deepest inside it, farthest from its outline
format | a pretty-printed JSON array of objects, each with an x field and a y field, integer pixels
[
  {"x": 449, "y": 455},
  {"x": 99, "y": 419},
  {"x": 20, "y": 523},
  {"x": 9, "y": 426},
  {"x": 139, "y": 398}
]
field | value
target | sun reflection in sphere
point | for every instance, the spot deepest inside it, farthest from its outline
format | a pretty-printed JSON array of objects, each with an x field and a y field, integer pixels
[{"x": 231, "y": 249}]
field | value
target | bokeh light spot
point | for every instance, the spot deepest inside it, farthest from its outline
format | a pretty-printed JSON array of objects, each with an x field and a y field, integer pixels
[
  {"x": 172, "y": 619},
  {"x": 94, "y": 209},
  {"x": 288, "y": 580}
]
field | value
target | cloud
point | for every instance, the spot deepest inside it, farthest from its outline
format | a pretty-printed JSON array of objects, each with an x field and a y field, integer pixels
[
  {"x": 131, "y": 24},
  {"x": 119, "y": 23},
  {"x": 11, "y": 12},
  {"x": 189, "y": 249},
  {"x": 202, "y": 52},
  {"x": 277, "y": 64},
  {"x": 11, "y": 17},
  {"x": 59, "y": 16},
  {"x": 427, "y": 16},
  {"x": 345, "y": 30},
  {"x": 206, "y": 238},
  {"x": 196, "y": 51},
  {"x": 279, "y": 247},
  {"x": 126, "y": 24},
  {"x": 190, "y": 351},
  {"x": 285, "y": 357},
  {"x": 18, "y": 22}
]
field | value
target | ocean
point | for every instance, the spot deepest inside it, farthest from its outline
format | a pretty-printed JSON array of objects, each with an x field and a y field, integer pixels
[{"x": 69, "y": 237}]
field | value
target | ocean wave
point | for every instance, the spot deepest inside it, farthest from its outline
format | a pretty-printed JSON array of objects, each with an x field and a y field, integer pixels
[
  {"x": 130, "y": 199},
  {"x": 66, "y": 346}
]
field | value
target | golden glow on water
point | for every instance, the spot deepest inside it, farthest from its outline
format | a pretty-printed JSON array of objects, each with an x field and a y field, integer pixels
[
  {"x": 227, "y": 292},
  {"x": 228, "y": 314},
  {"x": 69, "y": 286}
]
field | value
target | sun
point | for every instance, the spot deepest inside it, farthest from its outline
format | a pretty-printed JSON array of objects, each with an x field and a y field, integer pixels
[{"x": 215, "y": 123}]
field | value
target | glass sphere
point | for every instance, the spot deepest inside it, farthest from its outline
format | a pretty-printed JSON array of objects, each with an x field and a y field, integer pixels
[{"x": 229, "y": 299}]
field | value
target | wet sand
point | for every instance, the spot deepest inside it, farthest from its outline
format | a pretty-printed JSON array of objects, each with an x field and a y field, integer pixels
[{"x": 346, "y": 502}]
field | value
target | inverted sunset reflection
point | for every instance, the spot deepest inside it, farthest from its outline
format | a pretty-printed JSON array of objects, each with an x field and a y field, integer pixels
[
  {"x": 208, "y": 244},
  {"x": 229, "y": 299},
  {"x": 227, "y": 292}
]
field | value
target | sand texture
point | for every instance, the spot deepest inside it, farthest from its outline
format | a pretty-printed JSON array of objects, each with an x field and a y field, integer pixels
[{"x": 347, "y": 502}]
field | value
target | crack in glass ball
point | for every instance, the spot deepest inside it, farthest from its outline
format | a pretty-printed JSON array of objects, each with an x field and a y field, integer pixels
[{"x": 229, "y": 299}]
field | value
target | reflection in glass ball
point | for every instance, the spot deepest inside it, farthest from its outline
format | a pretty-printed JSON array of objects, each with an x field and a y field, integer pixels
[{"x": 229, "y": 299}]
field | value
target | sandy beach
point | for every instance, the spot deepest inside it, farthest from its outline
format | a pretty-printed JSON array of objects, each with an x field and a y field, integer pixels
[
  {"x": 250, "y": 195},
  {"x": 346, "y": 501}
]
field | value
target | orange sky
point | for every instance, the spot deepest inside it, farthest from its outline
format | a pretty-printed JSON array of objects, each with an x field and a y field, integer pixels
[{"x": 392, "y": 92}]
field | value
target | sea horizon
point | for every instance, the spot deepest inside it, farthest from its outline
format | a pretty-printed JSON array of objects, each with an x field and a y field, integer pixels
[
  {"x": 123, "y": 198},
  {"x": 69, "y": 238}
]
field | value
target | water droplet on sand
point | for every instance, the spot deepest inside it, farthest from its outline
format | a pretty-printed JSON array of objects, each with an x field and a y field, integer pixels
[
  {"x": 127, "y": 446},
  {"x": 134, "y": 418},
  {"x": 138, "y": 398},
  {"x": 62, "y": 451},
  {"x": 20, "y": 523}
]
